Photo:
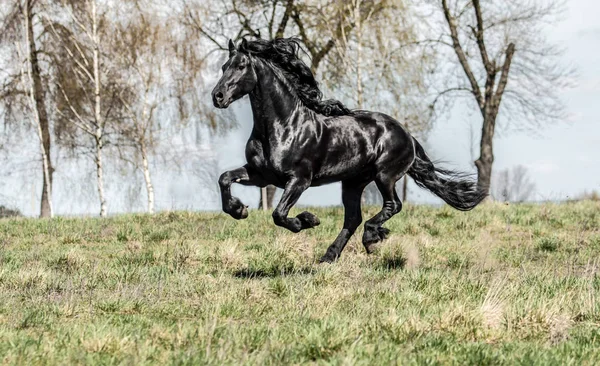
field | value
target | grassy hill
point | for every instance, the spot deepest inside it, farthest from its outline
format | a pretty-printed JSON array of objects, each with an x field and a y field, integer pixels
[{"x": 499, "y": 285}]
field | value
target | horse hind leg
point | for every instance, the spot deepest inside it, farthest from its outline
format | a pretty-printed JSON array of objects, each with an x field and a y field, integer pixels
[
  {"x": 374, "y": 232},
  {"x": 351, "y": 197}
]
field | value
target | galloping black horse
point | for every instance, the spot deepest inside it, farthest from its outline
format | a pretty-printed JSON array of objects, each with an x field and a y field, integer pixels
[{"x": 300, "y": 140}]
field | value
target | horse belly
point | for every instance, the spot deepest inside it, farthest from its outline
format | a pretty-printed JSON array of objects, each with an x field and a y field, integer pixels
[{"x": 344, "y": 162}]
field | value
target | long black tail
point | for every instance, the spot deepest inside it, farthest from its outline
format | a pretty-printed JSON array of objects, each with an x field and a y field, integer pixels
[{"x": 458, "y": 189}]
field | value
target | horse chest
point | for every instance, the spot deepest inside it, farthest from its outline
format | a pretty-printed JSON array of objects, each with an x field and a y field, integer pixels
[{"x": 266, "y": 157}]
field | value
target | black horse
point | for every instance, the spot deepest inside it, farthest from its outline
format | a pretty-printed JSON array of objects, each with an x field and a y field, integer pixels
[{"x": 300, "y": 140}]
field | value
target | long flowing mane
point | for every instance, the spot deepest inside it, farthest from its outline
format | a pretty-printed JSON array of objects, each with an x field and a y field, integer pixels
[{"x": 283, "y": 53}]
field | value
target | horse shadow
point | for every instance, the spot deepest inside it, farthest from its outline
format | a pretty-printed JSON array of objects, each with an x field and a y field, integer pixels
[
  {"x": 273, "y": 272},
  {"x": 393, "y": 263}
]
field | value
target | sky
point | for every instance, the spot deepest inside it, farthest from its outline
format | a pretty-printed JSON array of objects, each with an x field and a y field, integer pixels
[{"x": 563, "y": 158}]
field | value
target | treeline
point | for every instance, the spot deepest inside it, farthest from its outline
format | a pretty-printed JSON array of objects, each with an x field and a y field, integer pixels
[
  {"x": 124, "y": 81},
  {"x": 94, "y": 78}
]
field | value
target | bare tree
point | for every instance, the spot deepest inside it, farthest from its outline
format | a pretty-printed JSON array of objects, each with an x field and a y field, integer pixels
[
  {"x": 502, "y": 55},
  {"x": 512, "y": 185},
  {"x": 27, "y": 80},
  {"x": 159, "y": 67},
  {"x": 140, "y": 52},
  {"x": 86, "y": 86}
]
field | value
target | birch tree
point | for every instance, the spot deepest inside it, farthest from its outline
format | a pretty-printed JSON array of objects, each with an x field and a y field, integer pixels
[
  {"x": 158, "y": 75},
  {"x": 153, "y": 78},
  {"x": 140, "y": 60},
  {"x": 26, "y": 80},
  {"x": 85, "y": 82}
]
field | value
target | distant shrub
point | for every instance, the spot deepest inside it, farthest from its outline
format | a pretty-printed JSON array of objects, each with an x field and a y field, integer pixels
[
  {"x": 586, "y": 196},
  {"x": 9, "y": 212}
]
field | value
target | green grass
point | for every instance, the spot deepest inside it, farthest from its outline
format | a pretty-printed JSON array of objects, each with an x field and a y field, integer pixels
[{"x": 502, "y": 284}]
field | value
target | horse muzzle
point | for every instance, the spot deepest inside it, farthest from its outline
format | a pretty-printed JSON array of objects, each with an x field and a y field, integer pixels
[{"x": 221, "y": 100}]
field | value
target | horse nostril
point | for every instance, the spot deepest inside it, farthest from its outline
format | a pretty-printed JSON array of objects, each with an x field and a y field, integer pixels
[{"x": 219, "y": 96}]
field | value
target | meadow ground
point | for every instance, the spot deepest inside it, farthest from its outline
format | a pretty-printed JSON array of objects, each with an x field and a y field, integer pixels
[{"x": 498, "y": 285}]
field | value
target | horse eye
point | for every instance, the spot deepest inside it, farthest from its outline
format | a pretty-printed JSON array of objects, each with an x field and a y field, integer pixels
[{"x": 242, "y": 67}]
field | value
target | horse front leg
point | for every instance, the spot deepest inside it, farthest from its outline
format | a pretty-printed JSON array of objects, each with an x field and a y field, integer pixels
[
  {"x": 293, "y": 190},
  {"x": 245, "y": 176}
]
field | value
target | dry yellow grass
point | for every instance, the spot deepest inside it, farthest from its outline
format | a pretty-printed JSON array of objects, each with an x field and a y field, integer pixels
[{"x": 499, "y": 285}]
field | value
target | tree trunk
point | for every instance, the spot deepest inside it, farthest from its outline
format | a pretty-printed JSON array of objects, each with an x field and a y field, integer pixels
[
  {"x": 147, "y": 178},
  {"x": 100, "y": 176},
  {"x": 99, "y": 136},
  {"x": 263, "y": 199},
  {"x": 270, "y": 197},
  {"x": 46, "y": 209},
  {"x": 486, "y": 158},
  {"x": 359, "y": 29},
  {"x": 39, "y": 111}
]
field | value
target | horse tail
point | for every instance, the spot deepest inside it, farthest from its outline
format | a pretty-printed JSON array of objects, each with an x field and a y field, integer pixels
[{"x": 457, "y": 189}]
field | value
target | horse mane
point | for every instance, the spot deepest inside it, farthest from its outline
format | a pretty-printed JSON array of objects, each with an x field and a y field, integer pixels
[{"x": 283, "y": 53}]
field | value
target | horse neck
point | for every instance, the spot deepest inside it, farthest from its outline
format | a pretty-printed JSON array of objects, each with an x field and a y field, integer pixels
[{"x": 273, "y": 101}]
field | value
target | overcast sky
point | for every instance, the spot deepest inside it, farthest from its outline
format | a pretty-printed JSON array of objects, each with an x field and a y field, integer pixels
[{"x": 563, "y": 159}]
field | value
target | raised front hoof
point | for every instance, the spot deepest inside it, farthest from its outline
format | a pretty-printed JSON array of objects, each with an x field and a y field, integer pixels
[
  {"x": 308, "y": 220},
  {"x": 372, "y": 237},
  {"x": 237, "y": 209}
]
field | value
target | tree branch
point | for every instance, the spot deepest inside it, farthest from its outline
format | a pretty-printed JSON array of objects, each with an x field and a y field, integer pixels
[
  {"x": 79, "y": 121},
  {"x": 489, "y": 67},
  {"x": 286, "y": 16},
  {"x": 447, "y": 91},
  {"x": 196, "y": 24},
  {"x": 309, "y": 45},
  {"x": 244, "y": 21},
  {"x": 462, "y": 58},
  {"x": 272, "y": 18},
  {"x": 510, "y": 51}
]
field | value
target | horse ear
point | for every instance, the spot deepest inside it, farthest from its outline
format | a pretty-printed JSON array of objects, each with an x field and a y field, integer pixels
[
  {"x": 232, "y": 49},
  {"x": 244, "y": 45}
]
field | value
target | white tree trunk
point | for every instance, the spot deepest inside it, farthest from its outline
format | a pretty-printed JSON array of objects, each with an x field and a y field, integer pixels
[
  {"x": 98, "y": 112},
  {"x": 100, "y": 176},
  {"x": 263, "y": 196},
  {"x": 28, "y": 30},
  {"x": 147, "y": 177}
]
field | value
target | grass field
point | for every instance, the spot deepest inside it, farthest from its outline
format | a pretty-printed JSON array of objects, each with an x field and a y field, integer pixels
[{"x": 498, "y": 285}]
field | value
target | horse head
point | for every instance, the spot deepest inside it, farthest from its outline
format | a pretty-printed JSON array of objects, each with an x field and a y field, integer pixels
[{"x": 239, "y": 77}]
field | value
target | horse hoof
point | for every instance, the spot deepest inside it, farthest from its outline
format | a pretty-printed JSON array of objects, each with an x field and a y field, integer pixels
[
  {"x": 238, "y": 210},
  {"x": 244, "y": 213},
  {"x": 372, "y": 237},
  {"x": 308, "y": 220}
]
